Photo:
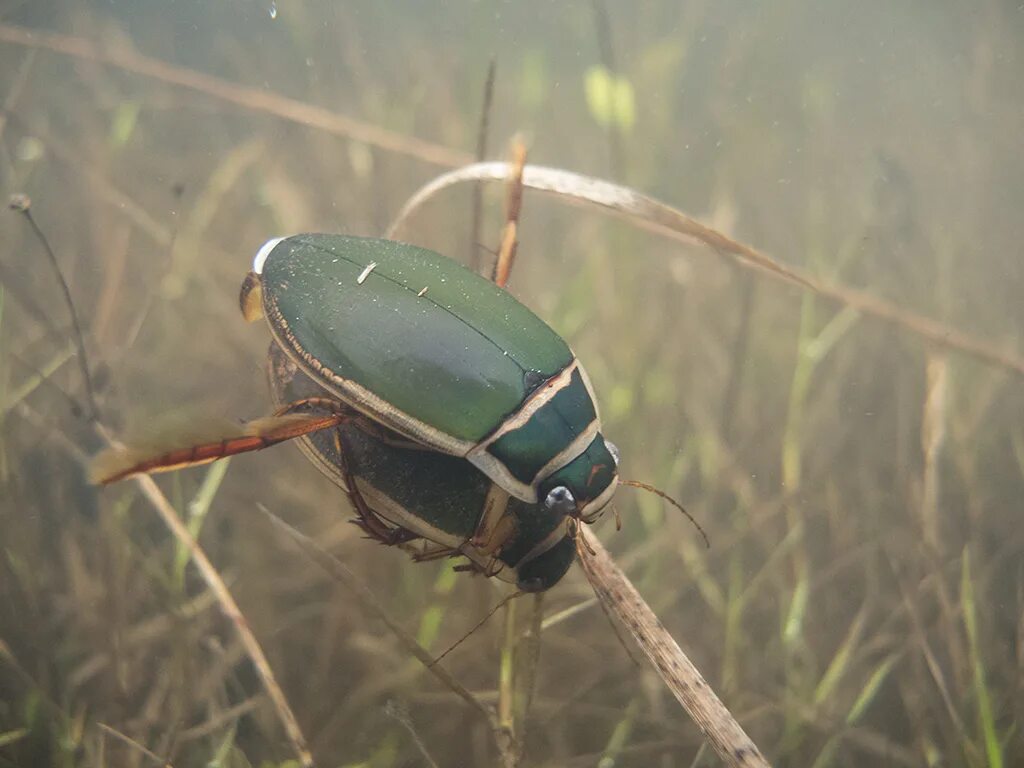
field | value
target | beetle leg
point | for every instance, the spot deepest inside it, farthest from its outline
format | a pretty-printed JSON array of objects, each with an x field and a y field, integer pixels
[
  {"x": 493, "y": 567},
  {"x": 366, "y": 519},
  {"x": 435, "y": 552},
  {"x": 372, "y": 524},
  {"x": 381, "y": 532},
  {"x": 495, "y": 526}
]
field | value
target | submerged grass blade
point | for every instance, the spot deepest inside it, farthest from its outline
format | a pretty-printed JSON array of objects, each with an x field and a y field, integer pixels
[
  {"x": 870, "y": 689},
  {"x": 30, "y": 385},
  {"x": 12, "y": 737},
  {"x": 841, "y": 661},
  {"x": 986, "y": 719},
  {"x": 197, "y": 511}
]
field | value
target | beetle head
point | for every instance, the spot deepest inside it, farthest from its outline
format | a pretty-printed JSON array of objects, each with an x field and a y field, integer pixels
[{"x": 584, "y": 486}]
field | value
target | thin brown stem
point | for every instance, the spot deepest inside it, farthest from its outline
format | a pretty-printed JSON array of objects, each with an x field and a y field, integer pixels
[{"x": 513, "y": 207}]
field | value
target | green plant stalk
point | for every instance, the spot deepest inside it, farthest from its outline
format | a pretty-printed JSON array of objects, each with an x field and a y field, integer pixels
[
  {"x": 986, "y": 720},
  {"x": 812, "y": 348},
  {"x": 620, "y": 735},
  {"x": 506, "y": 670},
  {"x": 733, "y": 640},
  {"x": 198, "y": 508},
  {"x": 32, "y": 382},
  {"x": 433, "y": 617},
  {"x": 840, "y": 661},
  {"x": 11, "y": 737},
  {"x": 528, "y": 660}
]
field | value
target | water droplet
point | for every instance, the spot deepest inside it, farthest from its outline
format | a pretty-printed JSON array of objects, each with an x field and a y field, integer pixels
[{"x": 273, "y": 10}]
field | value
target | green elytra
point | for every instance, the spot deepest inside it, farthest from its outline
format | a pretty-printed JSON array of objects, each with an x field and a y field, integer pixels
[
  {"x": 442, "y": 356},
  {"x": 428, "y": 494}
]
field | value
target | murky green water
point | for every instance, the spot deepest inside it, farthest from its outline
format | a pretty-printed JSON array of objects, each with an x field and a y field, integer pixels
[{"x": 855, "y": 452}]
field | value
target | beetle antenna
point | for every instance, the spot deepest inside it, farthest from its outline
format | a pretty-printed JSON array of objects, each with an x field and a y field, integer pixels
[
  {"x": 670, "y": 500},
  {"x": 574, "y": 534},
  {"x": 22, "y": 204},
  {"x": 461, "y": 640}
]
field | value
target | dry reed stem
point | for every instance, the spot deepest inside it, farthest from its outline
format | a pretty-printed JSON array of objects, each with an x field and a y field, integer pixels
[
  {"x": 513, "y": 207},
  {"x": 655, "y": 216},
  {"x": 614, "y": 589},
  {"x": 230, "y": 608},
  {"x": 240, "y": 95}
]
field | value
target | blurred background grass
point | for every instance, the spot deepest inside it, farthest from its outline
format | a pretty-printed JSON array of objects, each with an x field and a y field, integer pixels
[{"x": 862, "y": 598}]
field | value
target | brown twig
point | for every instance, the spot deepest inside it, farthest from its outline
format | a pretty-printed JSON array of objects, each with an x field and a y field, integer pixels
[
  {"x": 513, "y": 207},
  {"x": 653, "y": 215},
  {"x": 614, "y": 589},
  {"x": 240, "y": 95}
]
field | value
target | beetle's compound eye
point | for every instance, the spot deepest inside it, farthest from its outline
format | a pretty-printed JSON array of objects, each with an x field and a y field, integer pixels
[
  {"x": 613, "y": 449},
  {"x": 561, "y": 500}
]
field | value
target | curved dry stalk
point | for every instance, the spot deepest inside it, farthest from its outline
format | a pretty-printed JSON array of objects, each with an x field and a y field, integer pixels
[
  {"x": 615, "y": 590},
  {"x": 243, "y": 96},
  {"x": 653, "y": 215}
]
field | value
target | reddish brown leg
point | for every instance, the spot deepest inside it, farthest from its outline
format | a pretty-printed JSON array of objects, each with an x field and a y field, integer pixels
[{"x": 367, "y": 520}]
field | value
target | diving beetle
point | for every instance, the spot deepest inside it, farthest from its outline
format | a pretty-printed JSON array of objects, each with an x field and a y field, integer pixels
[
  {"x": 442, "y": 356},
  {"x": 431, "y": 504},
  {"x": 444, "y": 407}
]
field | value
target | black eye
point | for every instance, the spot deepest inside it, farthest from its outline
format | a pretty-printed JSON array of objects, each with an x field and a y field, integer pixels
[{"x": 560, "y": 499}]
